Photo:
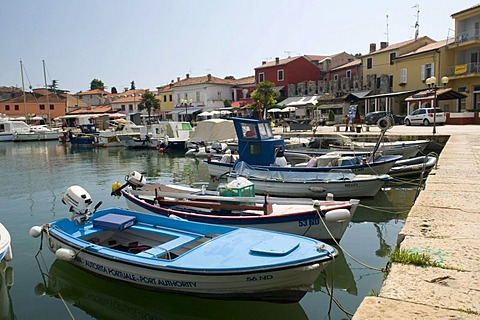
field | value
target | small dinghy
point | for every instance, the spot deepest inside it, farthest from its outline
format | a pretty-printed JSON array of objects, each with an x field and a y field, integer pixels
[{"x": 174, "y": 255}]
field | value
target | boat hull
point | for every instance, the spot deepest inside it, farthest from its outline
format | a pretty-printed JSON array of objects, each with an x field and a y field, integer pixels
[
  {"x": 219, "y": 266},
  {"x": 305, "y": 221},
  {"x": 359, "y": 187}
]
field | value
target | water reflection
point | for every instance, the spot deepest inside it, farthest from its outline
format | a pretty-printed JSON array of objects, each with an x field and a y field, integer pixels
[
  {"x": 6, "y": 282},
  {"x": 338, "y": 274},
  {"x": 104, "y": 299}
]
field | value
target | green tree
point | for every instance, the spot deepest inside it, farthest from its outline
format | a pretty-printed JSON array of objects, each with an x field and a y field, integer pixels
[
  {"x": 266, "y": 95},
  {"x": 149, "y": 103},
  {"x": 114, "y": 90},
  {"x": 97, "y": 84},
  {"x": 132, "y": 85},
  {"x": 229, "y": 78}
]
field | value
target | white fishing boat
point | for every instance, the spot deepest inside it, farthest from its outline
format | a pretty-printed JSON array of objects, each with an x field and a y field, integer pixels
[
  {"x": 342, "y": 183},
  {"x": 10, "y": 128},
  {"x": 165, "y": 134},
  {"x": 178, "y": 256},
  {"x": 236, "y": 205},
  {"x": 38, "y": 133},
  {"x": 5, "y": 245},
  {"x": 210, "y": 137}
]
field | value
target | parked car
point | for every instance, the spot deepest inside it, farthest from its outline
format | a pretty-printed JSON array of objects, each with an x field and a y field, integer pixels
[
  {"x": 373, "y": 117},
  {"x": 424, "y": 116}
]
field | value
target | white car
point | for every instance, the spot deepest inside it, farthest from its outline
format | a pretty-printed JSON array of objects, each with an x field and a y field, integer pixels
[{"x": 425, "y": 116}]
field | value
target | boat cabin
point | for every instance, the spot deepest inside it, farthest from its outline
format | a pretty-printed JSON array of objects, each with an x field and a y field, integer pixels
[{"x": 256, "y": 143}]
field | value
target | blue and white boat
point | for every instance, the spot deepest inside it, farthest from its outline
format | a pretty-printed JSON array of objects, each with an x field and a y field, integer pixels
[
  {"x": 260, "y": 149},
  {"x": 178, "y": 256},
  {"x": 5, "y": 245}
]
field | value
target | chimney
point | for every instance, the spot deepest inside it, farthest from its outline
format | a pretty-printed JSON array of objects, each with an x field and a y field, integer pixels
[
  {"x": 209, "y": 77},
  {"x": 187, "y": 75},
  {"x": 277, "y": 60},
  {"x": 178, "y": 79},
  {"x": 383, "y": 45},
  {"x": 263, "y": 62},
  {"x": 373, "y": 47}
]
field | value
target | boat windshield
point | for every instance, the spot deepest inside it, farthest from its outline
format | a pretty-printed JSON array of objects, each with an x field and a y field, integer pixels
[{"x": 265, "y": 130}]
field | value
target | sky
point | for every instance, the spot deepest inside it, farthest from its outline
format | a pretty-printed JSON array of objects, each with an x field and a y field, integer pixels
[{"x": 152, "y": 42}]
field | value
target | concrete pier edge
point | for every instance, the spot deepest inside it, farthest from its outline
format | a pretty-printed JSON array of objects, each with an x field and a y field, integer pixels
[{"x": 444, "y": 223}]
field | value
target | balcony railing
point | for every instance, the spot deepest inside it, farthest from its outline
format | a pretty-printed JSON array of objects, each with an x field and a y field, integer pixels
[
  {"x": 462, "y": 69},
  {"x": 468, "y": 35}
]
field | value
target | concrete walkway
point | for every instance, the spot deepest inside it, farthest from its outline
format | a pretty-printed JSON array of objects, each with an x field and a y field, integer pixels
[{"x": 444, "y": 223}]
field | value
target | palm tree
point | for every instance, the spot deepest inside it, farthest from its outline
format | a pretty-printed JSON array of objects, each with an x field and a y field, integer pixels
[
  {"x": 265, "y": 95},
  {"x": 149, "y": 103}
]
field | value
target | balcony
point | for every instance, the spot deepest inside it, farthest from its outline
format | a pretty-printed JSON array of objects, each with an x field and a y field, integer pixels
[
  {"x": 463, "y": 70},
  {"x": 469, "y": 35}
]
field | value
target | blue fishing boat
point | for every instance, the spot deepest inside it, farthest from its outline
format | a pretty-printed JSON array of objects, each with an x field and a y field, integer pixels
[
  {"x": 258, "y": 148},
  {"x": 178, "y": 256}
]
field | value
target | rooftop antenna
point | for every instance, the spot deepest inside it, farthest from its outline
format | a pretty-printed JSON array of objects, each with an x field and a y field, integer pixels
[
  {"x": 288, "y": 52},
  {"x": 417, "y": 24},
  {"x": 387, "y": 30}
]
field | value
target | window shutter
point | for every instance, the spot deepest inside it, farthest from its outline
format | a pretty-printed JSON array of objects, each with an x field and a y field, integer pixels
[{"x": 422, "y": 72}]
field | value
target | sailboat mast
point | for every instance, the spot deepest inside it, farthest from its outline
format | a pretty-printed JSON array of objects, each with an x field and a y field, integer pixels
[
  {"x": 46, "y": 88},
  {"x": 23, "y": 89}
]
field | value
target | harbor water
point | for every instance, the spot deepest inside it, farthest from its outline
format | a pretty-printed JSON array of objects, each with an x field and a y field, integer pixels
[{"x": 36, "y": 286}]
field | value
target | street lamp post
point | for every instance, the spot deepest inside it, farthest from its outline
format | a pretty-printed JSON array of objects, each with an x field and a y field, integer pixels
[
  {"x": 432, "y": 84},
  {"x": 186, "y": 103}
]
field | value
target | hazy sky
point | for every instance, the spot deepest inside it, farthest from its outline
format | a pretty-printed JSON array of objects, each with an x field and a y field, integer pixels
[{"x": 153, "y": 41}]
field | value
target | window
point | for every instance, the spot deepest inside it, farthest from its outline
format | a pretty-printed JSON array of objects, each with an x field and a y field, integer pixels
[
  {"x": 52, "y": 107},
  {"x": 369, "y": 63},
  {"x": 16, "y": 107},
  {"x": 123, "y": 107},
  {"x": 171, "y": 97},
  {"x": 261, "y": 77},
  {"x": 335, "y": 77},
  {"x": 280, "y": 75},
  {"x": 42, "y": 107},
  {"x": 427, "y": 71},
  {"x": 219, "y": 95},
  {"x": 349, "y": 74},
  {"x": 178, "y": 98},
  {"x": 7, "y": 107},
  {"x": 392, "y": 57},
  {"x": 403, "y": 76},
  {"x": 164, "y": 98},
  {"x": 130, "y": 107},
  {"x": 197, "y": 96}
]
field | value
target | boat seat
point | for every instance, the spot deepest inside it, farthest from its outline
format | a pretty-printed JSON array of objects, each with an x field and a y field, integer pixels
[{"x": 162, "y": 249}]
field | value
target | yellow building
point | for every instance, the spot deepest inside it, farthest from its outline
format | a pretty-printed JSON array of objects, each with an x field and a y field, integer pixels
[
  {"x": 165, "y": 94},
  {"x": 378, "y": 68},
  {"x": 463, "y": 65}
]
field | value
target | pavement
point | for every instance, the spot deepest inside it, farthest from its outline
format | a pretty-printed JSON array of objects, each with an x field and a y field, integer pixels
[{"x": 444, "y": 223}]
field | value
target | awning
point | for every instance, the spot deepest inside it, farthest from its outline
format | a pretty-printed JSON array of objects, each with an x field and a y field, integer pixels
[
  {"x": 359, "y": 94},
  {"x": 299, "y": 101},
  {"x": 180, "y": 111},
  {"x": 442, "y": 94},
  {"x": 278, "y": 88},
  {"x": 391, "y": 94}
]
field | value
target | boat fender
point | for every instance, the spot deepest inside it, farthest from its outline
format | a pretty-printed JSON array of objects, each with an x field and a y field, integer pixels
[
  {"x": 35, "y": 231},
  {"x": 65, "y": 254},
  {"x": 337, "y": 215},
  {"x": 317, "y": 189},
  {"x": 9, "y": 277}
]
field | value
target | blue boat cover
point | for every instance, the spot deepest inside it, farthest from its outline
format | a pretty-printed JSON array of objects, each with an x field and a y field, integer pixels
[{"x": 115, "y": 222}]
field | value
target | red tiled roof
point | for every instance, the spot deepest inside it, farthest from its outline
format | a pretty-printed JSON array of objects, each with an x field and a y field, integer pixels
[
  {"x": 94, "y": 92},
  {"x": 397, "y": 45},
  {"x": 430, "y": 47},
  {"x": 93, "y": 109},
  {"x": 280, "y": 62},
  {"x": 241, "y": 102}
]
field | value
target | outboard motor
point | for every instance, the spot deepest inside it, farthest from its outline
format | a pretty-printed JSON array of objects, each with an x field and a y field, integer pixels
[
  {"x": 134, "y": 179},
  {"x": 80, "y": 202}
]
